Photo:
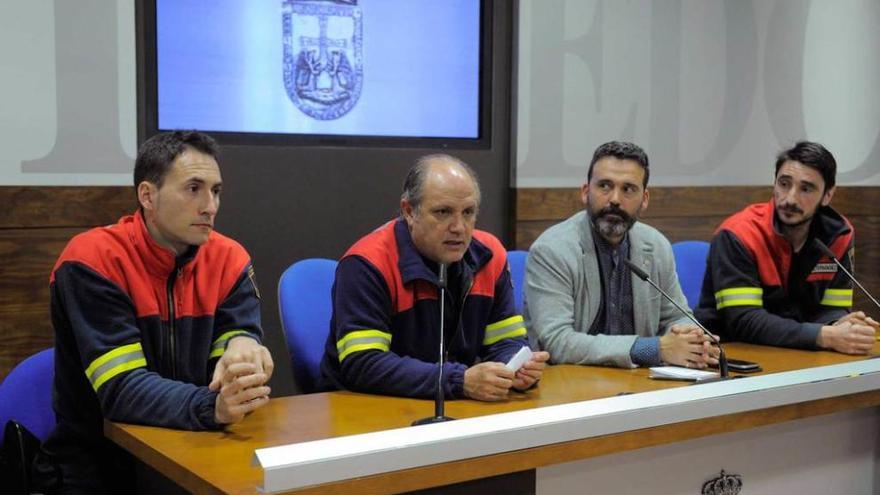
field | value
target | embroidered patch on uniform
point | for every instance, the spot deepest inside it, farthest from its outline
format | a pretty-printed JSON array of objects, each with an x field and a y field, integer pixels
[
  {"x": 825, "y": 268},
  {"x": 253, "y": 278}
]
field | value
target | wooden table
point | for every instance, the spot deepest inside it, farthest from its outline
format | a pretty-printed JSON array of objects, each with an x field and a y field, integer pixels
[{"x": 221, "y": 462}]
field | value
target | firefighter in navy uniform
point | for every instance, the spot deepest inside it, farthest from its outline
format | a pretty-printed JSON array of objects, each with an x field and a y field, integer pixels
[
  {"x": 766, "y": 281},
  {"x": 157, "y": 322},
  {"x": 384, "y": 332}
]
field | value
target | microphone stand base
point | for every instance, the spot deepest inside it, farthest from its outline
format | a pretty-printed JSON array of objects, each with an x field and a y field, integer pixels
[{"x": 431, "y": 420}]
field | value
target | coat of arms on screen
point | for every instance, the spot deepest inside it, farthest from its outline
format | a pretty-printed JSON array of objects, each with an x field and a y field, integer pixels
[
  {"x": 723, "y": 484},
  {"x": 323, "y": 55}
]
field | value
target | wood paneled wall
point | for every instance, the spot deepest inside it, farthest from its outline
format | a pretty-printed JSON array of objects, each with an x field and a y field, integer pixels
[
  {"x": 693, "y": 213},
  {"x": 35, "y": 225}
]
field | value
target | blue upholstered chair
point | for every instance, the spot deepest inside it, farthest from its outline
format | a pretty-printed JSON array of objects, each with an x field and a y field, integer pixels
[
  {"x": 517, "y": 262},
  {"x": 26, "y": 394},
  {"x": 26, "y": 419},
  {"x": 690, "y": 265},
  {"x": 305, "y": 304}
]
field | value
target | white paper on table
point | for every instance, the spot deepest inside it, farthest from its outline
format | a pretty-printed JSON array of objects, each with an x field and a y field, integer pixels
[{"x": 679, "y": 373}]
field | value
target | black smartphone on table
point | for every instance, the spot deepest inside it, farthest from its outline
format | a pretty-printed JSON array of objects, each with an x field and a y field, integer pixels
[{"x": 741, "y": 366}]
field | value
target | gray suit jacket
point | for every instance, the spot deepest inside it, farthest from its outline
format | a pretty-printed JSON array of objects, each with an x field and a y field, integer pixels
[{"x": 563, "y": 292}]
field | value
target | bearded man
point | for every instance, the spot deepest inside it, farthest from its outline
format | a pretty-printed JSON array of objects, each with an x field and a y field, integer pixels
[
  {"x": 582, "y": 303},
  {"x": 767, "y": 280}
]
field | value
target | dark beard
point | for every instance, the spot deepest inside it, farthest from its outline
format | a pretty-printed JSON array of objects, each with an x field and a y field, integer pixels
[
  {"x": 793, "y": 209},
  {"x": 608, "y": 228}
]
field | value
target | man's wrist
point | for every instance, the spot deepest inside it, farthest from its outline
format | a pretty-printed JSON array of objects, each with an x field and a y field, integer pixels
[
  {"x": 664, "y": 342},
  {"x": 456, "y": 381},
  {"x": 823, "y": 336},
  {"x": 206, "y": 411}
]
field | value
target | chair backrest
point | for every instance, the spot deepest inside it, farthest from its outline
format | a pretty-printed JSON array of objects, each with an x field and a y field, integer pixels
[
  {"x": 690, "y": 265},
  {"x": 26, "y": 394},
  {"x": 517, "y": 262},
  {"x": 305, "y": 304}
]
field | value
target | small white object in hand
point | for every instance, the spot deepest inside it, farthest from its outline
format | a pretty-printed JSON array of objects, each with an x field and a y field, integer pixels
[{"x": 519, "y": 359}]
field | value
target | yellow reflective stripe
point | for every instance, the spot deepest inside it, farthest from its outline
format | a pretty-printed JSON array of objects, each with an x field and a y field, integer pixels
[
  {"x": 361, "y": 334},
  {"x": 517, "y": 332},
  {"x": 739, "y": 302},
  {"x": 734, "y": 291},
  {"x": 739, "y": 296},
  {"x": 504, "y": 323},
  {"x": 837, "y": 297},
  {"x": 114, "y": 362},
  {"x": 119, "y": 351},
  {"x": 361, "y": 340},
  {"x": 362, "y": 347},
  {"x": 219, "y": 345},
  {"x": 122, "y": 368},
  {"x": 505, "y": 329},
  {"x": 839, "y": 292}
]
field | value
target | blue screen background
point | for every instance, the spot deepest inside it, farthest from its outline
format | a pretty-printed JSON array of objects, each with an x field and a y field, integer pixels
[{"x": 220, "y": 68}]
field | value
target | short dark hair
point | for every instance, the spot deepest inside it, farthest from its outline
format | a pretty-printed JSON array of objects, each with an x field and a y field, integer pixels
[
  {"x": 622, "y": 150},
  {"x": 414, "y": 182},
  {"x": 157, "y": 154},
  {"x": 813, "y": 155}
]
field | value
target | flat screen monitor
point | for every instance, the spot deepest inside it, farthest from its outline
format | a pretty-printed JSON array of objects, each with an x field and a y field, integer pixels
[{"x": 339, "y": 72}]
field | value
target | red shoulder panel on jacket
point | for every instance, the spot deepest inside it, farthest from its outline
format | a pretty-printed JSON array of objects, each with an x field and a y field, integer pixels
[
  {"x": 122, "y": 255},
  {"x": 379, "y": 248},
  {"x": 753, "y": 226},
  {"x": 209, "y": 279},
  {"x": 484, "y": 284},
  {"x": 109, "y": 252}
]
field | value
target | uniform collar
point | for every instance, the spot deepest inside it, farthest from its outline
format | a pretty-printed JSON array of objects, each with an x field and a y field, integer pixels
[
  {"x": 827, "y": 224},
  {"x": 159, "y": 260}
]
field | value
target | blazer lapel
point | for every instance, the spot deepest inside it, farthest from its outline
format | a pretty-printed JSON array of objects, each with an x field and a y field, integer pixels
[
  {"x": 642, "y": 255},
  {"x": 592, "y": 276}
]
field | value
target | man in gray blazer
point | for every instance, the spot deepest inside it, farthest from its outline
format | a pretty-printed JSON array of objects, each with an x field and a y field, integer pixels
[{"x": 582, "y": 303}]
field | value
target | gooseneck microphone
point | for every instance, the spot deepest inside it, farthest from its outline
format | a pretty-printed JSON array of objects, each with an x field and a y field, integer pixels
[
  {"x": 722, "y": 358},
  {"x": 439, "y": 404},
  {"x": 827, "y": 252}
]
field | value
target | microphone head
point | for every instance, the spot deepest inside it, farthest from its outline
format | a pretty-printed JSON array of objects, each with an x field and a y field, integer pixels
[
  {"x": 635, "y": 269},
  {"x": 823, "y": 248},
  {"x": 441, "y": 276}
]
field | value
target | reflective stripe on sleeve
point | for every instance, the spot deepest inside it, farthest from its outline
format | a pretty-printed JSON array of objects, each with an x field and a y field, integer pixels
[
  {"x": 739, "y": 296},
  {"x": 840, "y": 298},
  {"x": 219, "y": 345},
  {"x": 115, "y": 362},
  {"x": 362, "y": 340},
  {"x": 509, "y": 328}
]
